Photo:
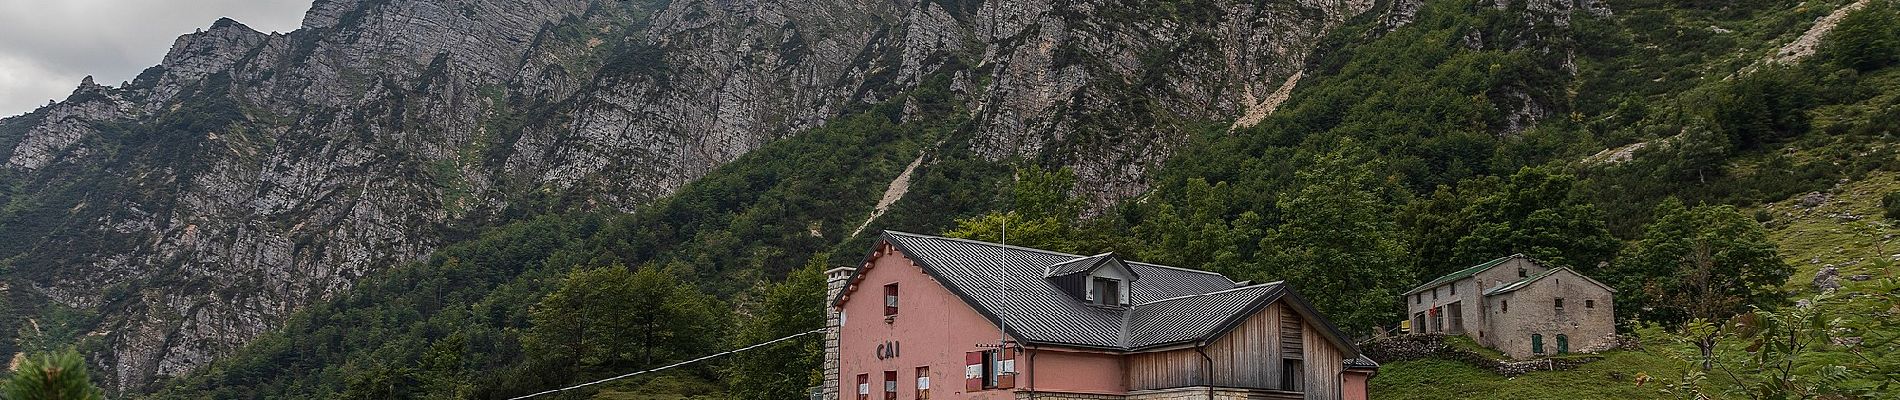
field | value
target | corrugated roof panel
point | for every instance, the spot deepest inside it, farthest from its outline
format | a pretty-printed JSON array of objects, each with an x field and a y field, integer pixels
[
  {"x": 1192, "y": 317},
  {"x": 1006, "y": 282},
  {"x": 1461, "y": 274}
]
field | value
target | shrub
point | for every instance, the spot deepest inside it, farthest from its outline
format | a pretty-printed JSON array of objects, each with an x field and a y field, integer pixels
[
  {"x": 1891, "y": 203},
  {"x": 1866, "y": 40}
]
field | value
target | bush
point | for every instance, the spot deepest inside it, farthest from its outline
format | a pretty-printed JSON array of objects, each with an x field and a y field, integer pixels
[
  {"x": 1866, "y": 40},
  {"x": 1891, "y": 203}
]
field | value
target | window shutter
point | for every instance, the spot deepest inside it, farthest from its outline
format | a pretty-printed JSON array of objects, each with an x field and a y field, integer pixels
[
  {"x": 1006, "y": 369},
  {"x": 973, "y": 371}
]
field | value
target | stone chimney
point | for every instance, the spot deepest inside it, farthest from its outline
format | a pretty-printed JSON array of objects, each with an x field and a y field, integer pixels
[{"x": 834, "y": 283}]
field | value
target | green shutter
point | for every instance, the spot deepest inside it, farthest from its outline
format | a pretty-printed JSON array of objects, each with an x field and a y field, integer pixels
[
  {"x": 1563, "y": 344},
  {"x": 1537, "y": 343}
]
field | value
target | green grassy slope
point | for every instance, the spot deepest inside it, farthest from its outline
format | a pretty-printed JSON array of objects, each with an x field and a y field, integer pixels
[
  {"x": 1844, "y": 159},
  {"x": 1845, "y": 231},
  {"x": 1612, "y": 378}
]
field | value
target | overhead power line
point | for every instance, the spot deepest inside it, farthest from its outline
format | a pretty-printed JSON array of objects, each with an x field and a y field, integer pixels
[{"x": 673, "y": 365}]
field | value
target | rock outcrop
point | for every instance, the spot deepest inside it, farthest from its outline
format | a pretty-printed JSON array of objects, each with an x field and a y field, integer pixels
[{"x": 251, "y": 174}]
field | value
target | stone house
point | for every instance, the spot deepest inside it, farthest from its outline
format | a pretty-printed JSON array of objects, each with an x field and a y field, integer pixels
[
  {"x": 927, "y": 317},
  {"x": 1518, "y": 306}
]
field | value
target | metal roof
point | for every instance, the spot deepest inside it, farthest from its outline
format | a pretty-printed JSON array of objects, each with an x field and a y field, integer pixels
[
  {"x": 1361, "y": 362},
  {"x": 1465, "y": 273},
  {"x": 1190, "y": 318},
  {"x": 1527, "y": 281},
  {"x": 1172, "y": 305},
  {"x": 1079, "y": 264}
]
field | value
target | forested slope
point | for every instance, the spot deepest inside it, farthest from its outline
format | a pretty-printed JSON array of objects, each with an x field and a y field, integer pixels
[{"x": 1420, "y": 137}]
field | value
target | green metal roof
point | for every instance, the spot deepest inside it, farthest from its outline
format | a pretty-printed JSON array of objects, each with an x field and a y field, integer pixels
[
  {"x": 1508, "y": 287},
  {"x": 1462, "y": 274},
  {"x": 1526, "y": 282}
]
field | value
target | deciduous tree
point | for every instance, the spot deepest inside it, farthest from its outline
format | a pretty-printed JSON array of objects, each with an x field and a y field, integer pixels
[
  {"x": 1706, "y": 263},
  {"x": 1339, "y": 245},
  {"x": 1536, "y": 212},
  {"x": 785, "y": 369},
  {"x": 613, "y": 318}
]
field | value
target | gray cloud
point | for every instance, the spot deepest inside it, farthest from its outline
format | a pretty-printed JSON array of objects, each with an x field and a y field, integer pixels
[{"x": 47, "y": 46}]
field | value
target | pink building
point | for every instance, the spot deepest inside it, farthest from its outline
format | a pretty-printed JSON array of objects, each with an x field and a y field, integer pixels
[{"x": 927, "y": 317}]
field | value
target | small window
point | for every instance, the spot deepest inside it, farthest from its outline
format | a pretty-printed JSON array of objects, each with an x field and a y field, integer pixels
[
  {"x": 1504, "y": 306},
  {"x": 1434, "y": 293},
  {"x": 923, "y": 383},
  {"x": 1454, "y": 289},
  {"x": 1107, "y": 291},
  {"x": 1521, "y": 273},
  {"x": 890, "y": 300},
  {"x": 990, "y": 370},
  {"x": 1588, "y": 303},
  {"x": 1537, "y": 344},
  {"x": 1560, "y": 304},
  {"x": 1292, "y": 375},
  {"x": 1438, "y": 319},
  {"x": 1418, "y": 298},
  {"x": 890, "y": 385},
  {"x": 864, "y": 386}
]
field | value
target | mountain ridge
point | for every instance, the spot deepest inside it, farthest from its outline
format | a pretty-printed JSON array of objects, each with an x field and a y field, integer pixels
[{"x": 250, "y": 174}]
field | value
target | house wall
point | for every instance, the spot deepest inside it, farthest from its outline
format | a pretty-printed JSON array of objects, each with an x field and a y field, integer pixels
[
  {"x": 1324, "y": 365},
  {"x": 1249, "y": 356},
  {"x": 835, "y": 280},
  {"x": 935, "y": 328},
  {"x": 1533, "y": 311},
  {"x": 925, "y": 309},
  {"x": 1469, "y": 297},
  {"x": 1166, "y": 369},
  {"x": 1073, "y": 372},
  {"x": 1355, "y": 385},
  {"x": 1186, "y": 393},
  {"x": 1478, "y": 315}
]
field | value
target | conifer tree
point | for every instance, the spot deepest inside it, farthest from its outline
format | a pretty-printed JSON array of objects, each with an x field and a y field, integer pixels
[{"x": 54, "y": 376}]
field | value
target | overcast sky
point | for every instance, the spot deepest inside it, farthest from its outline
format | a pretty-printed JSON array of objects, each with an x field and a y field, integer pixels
[{"x": 46, "y": 46}]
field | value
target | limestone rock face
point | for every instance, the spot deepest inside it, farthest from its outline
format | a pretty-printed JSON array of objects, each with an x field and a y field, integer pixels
[{"x": 251, "y": 174}]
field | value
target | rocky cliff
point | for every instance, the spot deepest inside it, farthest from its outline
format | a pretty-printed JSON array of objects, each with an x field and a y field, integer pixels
[{"x": 250, "y": 174}]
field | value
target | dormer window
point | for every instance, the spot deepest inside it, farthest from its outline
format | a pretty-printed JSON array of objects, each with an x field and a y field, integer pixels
[
  {"x": 1108, "y": 292},
  {"x": 1101, "y": 280}
]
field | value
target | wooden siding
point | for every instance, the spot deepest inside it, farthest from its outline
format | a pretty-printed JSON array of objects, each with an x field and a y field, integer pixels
[
  {"x": 1167, "y": 369},
  {"x": 1324, "y": 365},
  {"x": 1249, "y": 356},
  {"x": 1291, "y": 335}
]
